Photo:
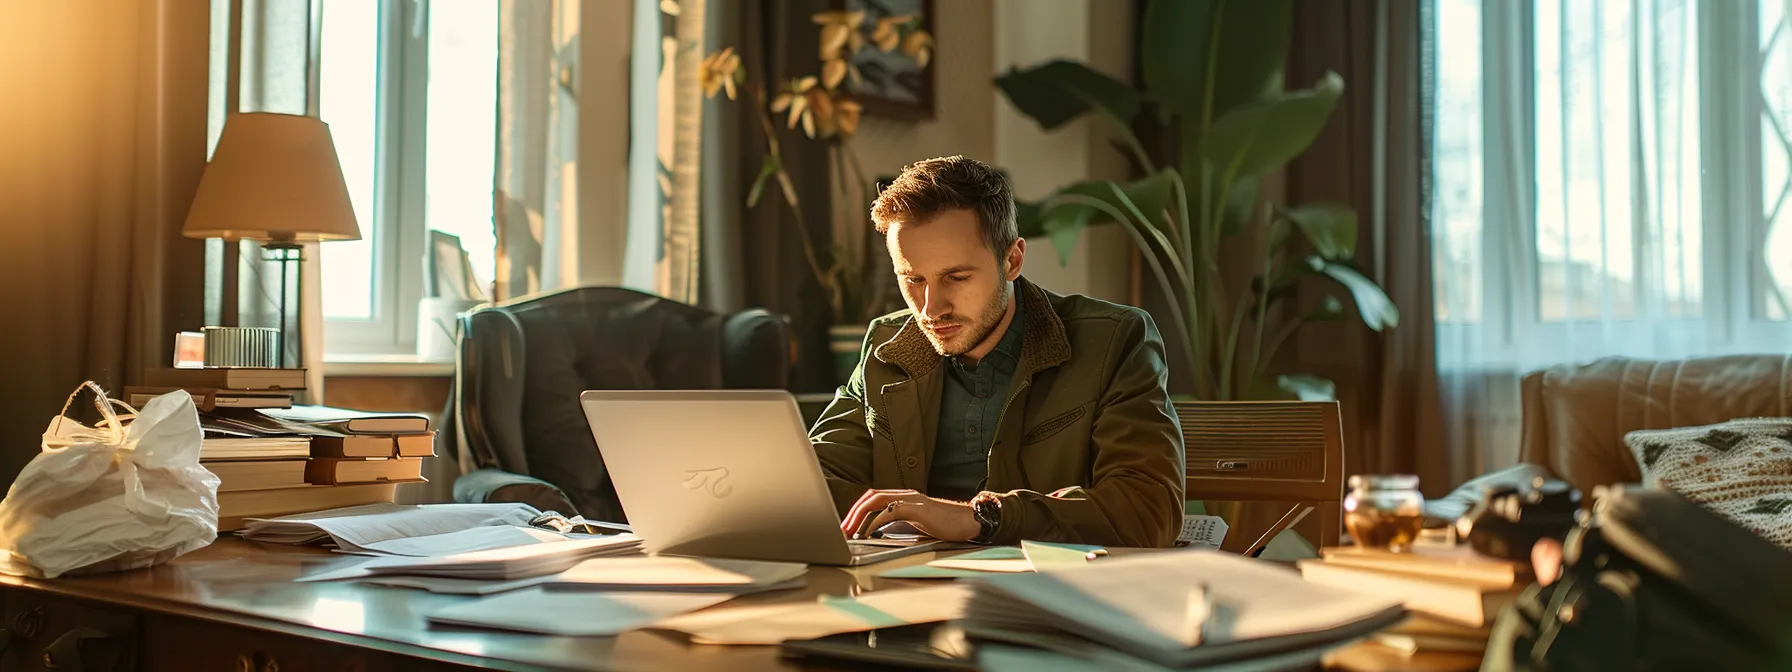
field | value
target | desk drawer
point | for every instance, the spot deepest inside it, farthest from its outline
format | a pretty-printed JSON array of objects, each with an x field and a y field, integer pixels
[{"x": 179, "y": 644}]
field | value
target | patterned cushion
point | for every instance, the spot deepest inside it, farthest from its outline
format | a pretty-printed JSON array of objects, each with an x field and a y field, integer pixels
[{"x": 1741, "y": 469}]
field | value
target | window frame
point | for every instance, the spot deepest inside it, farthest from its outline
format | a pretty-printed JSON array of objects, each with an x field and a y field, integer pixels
[
  {"x": 400, "y": 174},
  {"x": 1734, "y": 224}
]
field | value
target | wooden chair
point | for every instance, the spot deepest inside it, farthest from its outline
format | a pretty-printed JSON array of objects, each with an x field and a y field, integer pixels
[{"x": 1268, "y": 451}]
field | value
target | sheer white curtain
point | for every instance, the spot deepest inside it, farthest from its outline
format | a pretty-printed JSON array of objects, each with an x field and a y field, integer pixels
[{"x": 1604, "y": 178}]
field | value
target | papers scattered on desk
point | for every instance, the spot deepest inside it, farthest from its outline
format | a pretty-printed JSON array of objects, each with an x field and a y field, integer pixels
[
  {"x": 579, "y": 613},
  {"x": 464, "y": 541},
  {"x": 354, "y": 528},
  {"x": 1030, "y": 556},
  {"x": 515, "y": 562},
  {"x": 500, "y": 564},
  {"x": 444, "y": 586},
  {"x": 772, "y": 624},
  {"x": 665, "y": 574},
  {"x": 1176, "y": 609},
  {"x": 676, "y": 574}
]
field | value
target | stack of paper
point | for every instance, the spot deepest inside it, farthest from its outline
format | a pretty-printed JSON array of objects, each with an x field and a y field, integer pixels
[
  {"x": 499, "y": 564},
  {"x": 1176, "y": 609},
  {"x": 664, "y": 574},
  {"x": 355, "y": 527},
  {"x": 515, "y": 562}
]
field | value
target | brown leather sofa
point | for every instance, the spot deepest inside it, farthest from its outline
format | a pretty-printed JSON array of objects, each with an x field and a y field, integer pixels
[{"x": 1576, "y": 415}]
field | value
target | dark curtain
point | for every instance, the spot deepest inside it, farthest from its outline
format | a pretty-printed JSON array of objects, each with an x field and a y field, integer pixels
[
  {"x": 776, "y": 40},
  {"x": 102, "y": 141},
  {"x": 1374, "y": 158}
]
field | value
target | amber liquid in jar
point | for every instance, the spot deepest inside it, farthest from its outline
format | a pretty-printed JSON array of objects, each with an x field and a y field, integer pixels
[
  {"x": 1384, "y": 511},
  {"x": 1379, "y": 529}
]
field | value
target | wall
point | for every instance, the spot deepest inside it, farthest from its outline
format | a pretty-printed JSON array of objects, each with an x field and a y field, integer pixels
[
  {"x": 1030, "y": 32},
  {"x": 976, "y": 41},
  {"x": 963, "y": 97}
]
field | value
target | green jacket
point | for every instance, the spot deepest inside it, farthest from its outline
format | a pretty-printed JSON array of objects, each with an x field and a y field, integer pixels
[{"x": 1088, "y": 449}]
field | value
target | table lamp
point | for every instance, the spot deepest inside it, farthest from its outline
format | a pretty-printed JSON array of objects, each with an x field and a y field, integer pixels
[{"x": 274, "y": 178}]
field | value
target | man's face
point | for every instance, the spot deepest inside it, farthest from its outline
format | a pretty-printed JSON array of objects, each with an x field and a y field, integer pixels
[{"x": 956, "y": 287}]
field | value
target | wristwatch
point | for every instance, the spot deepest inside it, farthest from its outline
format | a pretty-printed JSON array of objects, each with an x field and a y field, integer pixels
[{"x": 988, "y": 511}]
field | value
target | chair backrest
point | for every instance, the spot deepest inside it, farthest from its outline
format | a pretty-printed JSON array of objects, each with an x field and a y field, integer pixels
[
  {"x": 524, "y": 363},
  {"x": 1267, "y": 451}
]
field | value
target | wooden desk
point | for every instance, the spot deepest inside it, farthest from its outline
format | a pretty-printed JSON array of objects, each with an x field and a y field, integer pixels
[{"x": 233, "y": 606}]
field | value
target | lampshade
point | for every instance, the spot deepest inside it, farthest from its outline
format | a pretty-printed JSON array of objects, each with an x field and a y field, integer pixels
[{"x": 273, "y": 177}]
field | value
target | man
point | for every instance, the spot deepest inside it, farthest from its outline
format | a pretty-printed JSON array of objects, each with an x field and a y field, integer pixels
[{"x": 992, "y": 410}]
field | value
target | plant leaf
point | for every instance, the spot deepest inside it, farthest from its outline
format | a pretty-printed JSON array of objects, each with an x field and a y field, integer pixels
[
  {"x": 1177, "y": 42},
  {"x": 1057, "y": 92},
  {"x": 1331, "y": 227},
  {"x": 1062, "y": 221},
  {"x": 1377, "y": 309},
  {"x": 1307, "y": 387},
  {"x": 1259, "y": 137},
  {"x": 1240, "y": 205}
]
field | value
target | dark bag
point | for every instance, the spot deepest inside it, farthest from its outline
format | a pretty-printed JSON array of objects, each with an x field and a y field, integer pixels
[{"x": 1653, "y": 581}]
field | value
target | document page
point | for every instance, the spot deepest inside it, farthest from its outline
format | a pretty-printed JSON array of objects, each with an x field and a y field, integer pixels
[{"x": 573, "y": 613}]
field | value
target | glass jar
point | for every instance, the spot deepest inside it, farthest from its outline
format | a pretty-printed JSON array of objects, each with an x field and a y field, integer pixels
[{"x": 1384, "y": 511}]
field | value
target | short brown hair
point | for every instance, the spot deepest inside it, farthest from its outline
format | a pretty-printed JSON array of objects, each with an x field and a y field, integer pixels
[{"x": 926, "y": 189}]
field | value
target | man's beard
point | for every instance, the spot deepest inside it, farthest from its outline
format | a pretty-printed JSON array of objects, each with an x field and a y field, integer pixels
[{"x": 973, "y": 333}]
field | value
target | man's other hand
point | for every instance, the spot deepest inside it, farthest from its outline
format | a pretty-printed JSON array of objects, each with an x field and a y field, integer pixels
[{"x": 938, "y": 518}]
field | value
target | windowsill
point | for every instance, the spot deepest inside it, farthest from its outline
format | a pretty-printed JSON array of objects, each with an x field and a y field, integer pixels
[{"x": 406, "y": 365}]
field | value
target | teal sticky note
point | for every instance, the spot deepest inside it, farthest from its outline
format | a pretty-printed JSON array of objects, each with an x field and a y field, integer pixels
[
  {"x": 867, "y": 614},
  {"x": 925, "y": 572},
  {"x": 993, "y": 553}
]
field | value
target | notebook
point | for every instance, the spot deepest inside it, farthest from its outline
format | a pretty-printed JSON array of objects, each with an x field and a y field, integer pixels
[{"x": 1176, "y": 609}]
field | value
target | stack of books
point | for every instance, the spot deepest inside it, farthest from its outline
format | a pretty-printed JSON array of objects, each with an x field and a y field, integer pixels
[
  {"x": 275, "y": 458},
  {"x": 352, "y": 458},
  {"x": 1453, "y": 592},
  {"x": 223, "y": 387}
]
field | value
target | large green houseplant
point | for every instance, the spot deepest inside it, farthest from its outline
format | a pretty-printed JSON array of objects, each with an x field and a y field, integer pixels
[{"x": 1213, "y": 94}]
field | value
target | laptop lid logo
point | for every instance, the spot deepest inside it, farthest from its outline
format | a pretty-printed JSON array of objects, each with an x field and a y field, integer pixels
[{"x": 709, "y": 480}]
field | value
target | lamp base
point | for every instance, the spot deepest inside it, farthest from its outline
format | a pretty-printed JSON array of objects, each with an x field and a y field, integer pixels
[{"x": 291, "y": 257}]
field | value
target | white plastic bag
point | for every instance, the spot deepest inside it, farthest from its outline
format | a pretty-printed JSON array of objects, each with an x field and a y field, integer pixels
[{"x": 111, "y": 497}]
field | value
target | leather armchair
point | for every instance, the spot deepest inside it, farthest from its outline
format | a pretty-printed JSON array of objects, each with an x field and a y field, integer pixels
[
  {"x": 1576, "y": 415},
  {"x": 523, "y": 364}
]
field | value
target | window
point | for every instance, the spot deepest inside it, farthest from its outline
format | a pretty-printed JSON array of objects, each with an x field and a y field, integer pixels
[
  {"x": 410, "y": 92},
  {"x": 1610, "y": 178}
]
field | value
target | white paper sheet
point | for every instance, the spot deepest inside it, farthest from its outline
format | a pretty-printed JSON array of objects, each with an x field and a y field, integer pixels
[
  {"x": 465, "y": 541},
  {"x": 356, "y": 532},
  {"x": 354, "y": 527},
  {"x": 499, "y": 564},
  {"x": 573, "y": 613},
  {"x": 448, "y": 586},
  {"x": 672, "y": 572},
  {"x": 772, "y": 624}
]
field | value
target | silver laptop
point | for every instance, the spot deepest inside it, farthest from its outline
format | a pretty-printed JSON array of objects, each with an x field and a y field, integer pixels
[{"x": 725, "y": 473}]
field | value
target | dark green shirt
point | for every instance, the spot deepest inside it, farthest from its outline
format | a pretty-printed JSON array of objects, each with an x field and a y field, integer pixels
[{"x": 971, "y": 401}]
